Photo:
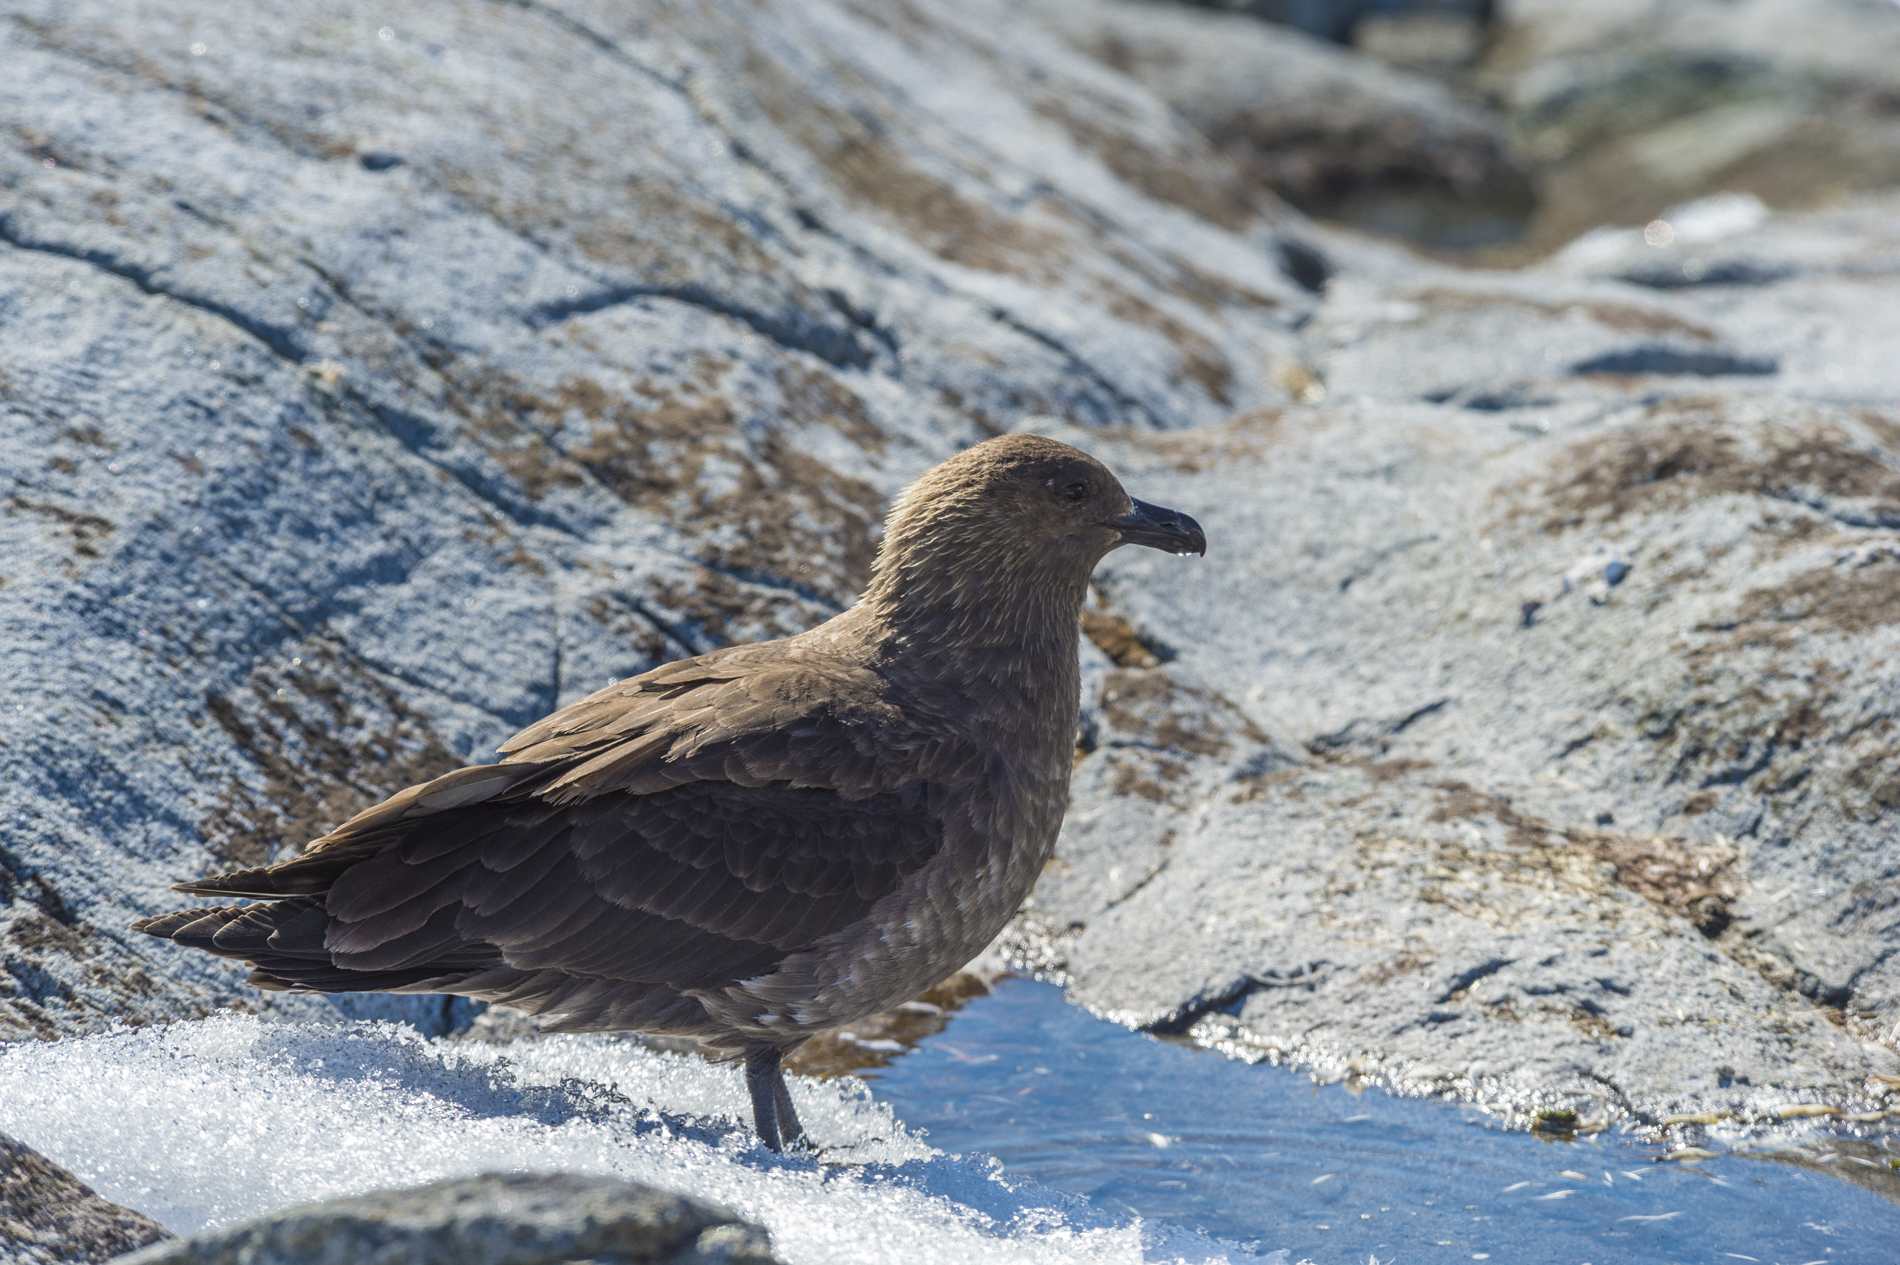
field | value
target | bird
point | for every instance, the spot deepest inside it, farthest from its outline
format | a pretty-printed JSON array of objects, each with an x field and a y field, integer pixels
[{"x": 755, "y": 845}]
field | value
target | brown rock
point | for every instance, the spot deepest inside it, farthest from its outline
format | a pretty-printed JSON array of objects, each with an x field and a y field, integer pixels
[{"x": 47, "y": 1215}]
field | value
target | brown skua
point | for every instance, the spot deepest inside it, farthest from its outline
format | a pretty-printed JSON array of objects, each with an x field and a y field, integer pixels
[{"x": 757, "y": 844}]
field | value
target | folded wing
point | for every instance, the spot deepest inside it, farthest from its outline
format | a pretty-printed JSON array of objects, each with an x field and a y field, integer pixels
[{"x": 680, "y": 831}]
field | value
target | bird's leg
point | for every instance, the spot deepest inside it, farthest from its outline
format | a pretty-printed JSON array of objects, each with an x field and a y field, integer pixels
[
  {"x": 789, "y": 1128},
  {"x": 767, "y": 1085}
]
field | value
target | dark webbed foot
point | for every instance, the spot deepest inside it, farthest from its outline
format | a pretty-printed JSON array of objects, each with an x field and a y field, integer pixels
[{"x": 772, "y": 1115}]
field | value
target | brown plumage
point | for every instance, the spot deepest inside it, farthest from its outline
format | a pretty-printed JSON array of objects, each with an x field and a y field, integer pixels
[{"x": 757, "y": 844}]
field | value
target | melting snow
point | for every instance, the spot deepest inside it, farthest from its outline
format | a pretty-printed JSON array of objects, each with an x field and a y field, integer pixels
[{"x": 204, "y": 1123}]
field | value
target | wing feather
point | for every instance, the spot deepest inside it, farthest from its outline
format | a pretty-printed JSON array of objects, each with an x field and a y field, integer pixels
[
  {"x": 417, "y": 946},
  {"x": 385, "y": 882},
  {"x": 684, "y": 830}
]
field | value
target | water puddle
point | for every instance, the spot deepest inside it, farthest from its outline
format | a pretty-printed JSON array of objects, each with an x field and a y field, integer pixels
[{"x": 1258, "y": 1154}]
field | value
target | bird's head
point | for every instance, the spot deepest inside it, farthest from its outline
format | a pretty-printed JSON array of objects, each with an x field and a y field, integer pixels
[{"x": 1017, "y": 512}]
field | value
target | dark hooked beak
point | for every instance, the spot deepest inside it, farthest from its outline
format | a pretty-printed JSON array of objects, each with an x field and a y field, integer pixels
[{"x": 1158, "y": 528}]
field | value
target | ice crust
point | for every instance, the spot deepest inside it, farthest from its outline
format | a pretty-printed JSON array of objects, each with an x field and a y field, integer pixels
[{"x": 208, "y": 1122}]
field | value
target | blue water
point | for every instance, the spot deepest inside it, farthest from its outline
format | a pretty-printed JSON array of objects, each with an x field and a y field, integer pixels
[{"x": 1262, "y": 1155}]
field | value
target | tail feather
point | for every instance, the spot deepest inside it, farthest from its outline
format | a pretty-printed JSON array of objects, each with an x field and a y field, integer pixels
[
  {"x": 283, "y": 941},
  {"x": 179, "y": 926},
  {"x": 311, "y": 874},
  {"x": 431, "y": 922},
  {"x": 320, "y": 977},
  {"x": 282, "y": 929}
]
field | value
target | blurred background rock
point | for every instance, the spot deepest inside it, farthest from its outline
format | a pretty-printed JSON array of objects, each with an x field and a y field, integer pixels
[{"x": 1518, "y": 124}]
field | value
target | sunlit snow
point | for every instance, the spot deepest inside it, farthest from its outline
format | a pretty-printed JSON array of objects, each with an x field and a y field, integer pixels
[{"x": 204, "y": 1123}]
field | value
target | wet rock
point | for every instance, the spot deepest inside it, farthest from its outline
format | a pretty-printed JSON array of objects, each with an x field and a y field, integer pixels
[
  {"x": 512, "y": 1219},
  {"x": 1336, "y": 134},
  {"x": 50, "y": 1217},
  {"x": 1628, "y": 109}
]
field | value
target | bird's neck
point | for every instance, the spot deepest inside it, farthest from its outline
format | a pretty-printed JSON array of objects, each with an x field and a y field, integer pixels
[{"x": 1001, "y": 633}]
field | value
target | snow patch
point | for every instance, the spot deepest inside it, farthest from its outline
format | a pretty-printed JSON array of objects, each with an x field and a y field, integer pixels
[{"x": 204, "y": 1123}]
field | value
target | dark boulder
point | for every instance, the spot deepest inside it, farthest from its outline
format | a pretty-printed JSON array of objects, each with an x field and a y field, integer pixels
[{"x": 497, "y": 1219}]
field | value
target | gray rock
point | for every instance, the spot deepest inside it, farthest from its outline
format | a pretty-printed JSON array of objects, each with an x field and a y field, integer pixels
[
  {"x": 1336, "y": 134},
  {"x": 1343, "y": 20},
  {"x": 49, "y": 1217},
  {"x": 1585, "y": 685},
  {"x": 496, "y": 1219},
  {"x": 1629, "y": 108},
  {"x": 326, "y": 475}
]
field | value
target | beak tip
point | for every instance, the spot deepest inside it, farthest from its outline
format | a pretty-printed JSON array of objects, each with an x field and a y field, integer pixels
[{"x": 1159, "y": 528}]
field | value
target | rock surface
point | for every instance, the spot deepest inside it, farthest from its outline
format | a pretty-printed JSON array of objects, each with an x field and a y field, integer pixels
[
  {"x": 513, "y": 1219},
  {"x": 50, "y": 1217},
  {"x": 1618, "y": 110},
  {"x": 1630, "y": 107},
  {"x": 366, "y": 391},
  {"x": 1571, "y": 614},
  {"x": 329, "y": 471},
  {"x": 1337, "y": 135},
  {"x": 1342, "y": 20}
]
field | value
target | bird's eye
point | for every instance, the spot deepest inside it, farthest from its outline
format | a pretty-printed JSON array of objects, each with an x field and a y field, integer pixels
[{"x": 1076, "y": 492}]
